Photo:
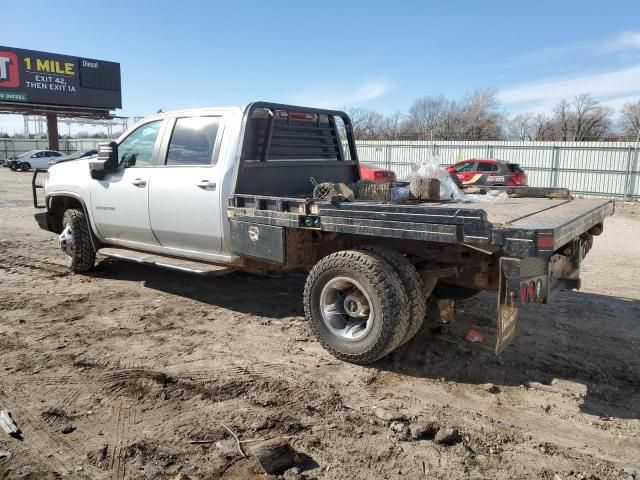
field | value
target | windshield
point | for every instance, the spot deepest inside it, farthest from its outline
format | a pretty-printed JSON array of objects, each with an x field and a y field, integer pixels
[{"x": 26, "y": 154}]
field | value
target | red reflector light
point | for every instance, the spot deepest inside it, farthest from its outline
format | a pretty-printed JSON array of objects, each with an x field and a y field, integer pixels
[
  {"x": 546, "y": 242},
  {"x": 532, "y": 291},
  {"x": 523, "y": 293}
]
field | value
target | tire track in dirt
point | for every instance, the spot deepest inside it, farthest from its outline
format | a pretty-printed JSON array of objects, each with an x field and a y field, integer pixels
[
  {"x": 121, "y": 436},
  {"x": 20, "y": 261}
]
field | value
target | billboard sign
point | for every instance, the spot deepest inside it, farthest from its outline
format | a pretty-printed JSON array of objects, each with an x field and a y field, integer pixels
[{"x": 29, "y": 77}]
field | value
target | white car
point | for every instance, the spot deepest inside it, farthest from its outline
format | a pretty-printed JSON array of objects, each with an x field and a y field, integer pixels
[
  {"x": 35, "y": 159},
  {"x": 73, "y": 156}
]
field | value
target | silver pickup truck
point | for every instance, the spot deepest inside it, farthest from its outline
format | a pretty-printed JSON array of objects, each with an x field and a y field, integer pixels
[{"x": 216, "y": 190}]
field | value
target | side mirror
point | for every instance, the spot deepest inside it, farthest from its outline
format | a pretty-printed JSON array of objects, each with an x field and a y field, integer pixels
[{"x": 107, "y": 160}]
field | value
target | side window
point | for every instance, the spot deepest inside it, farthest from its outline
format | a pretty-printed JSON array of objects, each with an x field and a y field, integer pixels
[
  {"x": 465, "y": 167},
  {"x": 193, "y": 141},
  {"x": 487, "y": 167},
  {"x": 137, "y": 149}
]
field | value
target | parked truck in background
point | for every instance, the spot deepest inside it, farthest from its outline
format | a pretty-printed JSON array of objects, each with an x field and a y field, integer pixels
[{"x": 223, "y": 189}]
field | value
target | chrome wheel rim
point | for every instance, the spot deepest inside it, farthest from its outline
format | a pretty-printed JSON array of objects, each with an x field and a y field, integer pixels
[
  {"x": 346, "y": 309},
  {"x": 65, "y": 242}
]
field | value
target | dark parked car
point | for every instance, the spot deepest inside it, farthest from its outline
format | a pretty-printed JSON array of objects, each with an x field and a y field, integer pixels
[{"x": 483, "y": 172}]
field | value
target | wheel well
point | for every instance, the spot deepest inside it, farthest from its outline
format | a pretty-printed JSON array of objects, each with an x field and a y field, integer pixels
[{"x": 57, "y": 206}]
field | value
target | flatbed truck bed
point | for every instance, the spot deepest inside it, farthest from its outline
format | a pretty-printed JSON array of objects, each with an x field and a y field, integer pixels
[{"x": 519, "y": 226}]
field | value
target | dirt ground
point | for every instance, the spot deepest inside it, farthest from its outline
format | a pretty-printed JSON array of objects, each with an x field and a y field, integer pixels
[{"x": 114, "y": 375}]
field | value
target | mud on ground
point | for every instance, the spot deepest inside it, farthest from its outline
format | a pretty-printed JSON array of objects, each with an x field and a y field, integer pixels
[{"x": 135, "y": 363}]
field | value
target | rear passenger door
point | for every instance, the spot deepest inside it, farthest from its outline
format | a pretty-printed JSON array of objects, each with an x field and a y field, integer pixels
[
  {"x": 489, "y": 172},
  {"x": 185, "y": 205}
]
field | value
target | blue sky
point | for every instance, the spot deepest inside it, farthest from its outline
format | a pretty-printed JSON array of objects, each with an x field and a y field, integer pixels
[{"x": 377, "y": 55}]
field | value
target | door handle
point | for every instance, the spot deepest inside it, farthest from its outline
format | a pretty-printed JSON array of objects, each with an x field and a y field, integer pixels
[
  {"x": 138, "y": 182},
  {"x": 206, "y": 185}
]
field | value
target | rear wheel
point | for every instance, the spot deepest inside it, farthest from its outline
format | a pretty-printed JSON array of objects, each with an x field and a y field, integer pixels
[
  {"x": 75, "y": 241},
  {"x": 412, "y": 284},
  {"x": 356, "y": 306},
  {"x": 25, "y": 166}
]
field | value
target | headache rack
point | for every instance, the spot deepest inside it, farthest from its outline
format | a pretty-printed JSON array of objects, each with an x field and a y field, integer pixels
[{"x": 306, "y": 144}]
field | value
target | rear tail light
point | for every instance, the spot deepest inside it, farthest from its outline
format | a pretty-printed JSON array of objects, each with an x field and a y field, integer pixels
[
  {"x": 518, "y": 179},
  {"x": 532, "y": 291},
  {"x": 523, "y": 293},
  {"x": 546, "y": 242}
]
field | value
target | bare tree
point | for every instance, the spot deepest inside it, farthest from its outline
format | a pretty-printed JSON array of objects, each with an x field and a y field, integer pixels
[
  {"x": 542, "y": 127},
  {"x": 393, "y": 126},
  {"x": 630, "y": 120},
  {"x": 592, "y": 120},
  {"x": 582, "y": 119},
  {"x": 481, "y": 118},
  {"x": 521, "y": 127},
  {"x": 477, "y": 116},
  {"x": 562, "y": 120},
  {"x": 426, "y": 116},
  {"x": 367, "y": 124}
]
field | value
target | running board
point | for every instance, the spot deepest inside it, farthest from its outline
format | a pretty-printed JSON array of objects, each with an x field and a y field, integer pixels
[{"x": 192, "y": 266}]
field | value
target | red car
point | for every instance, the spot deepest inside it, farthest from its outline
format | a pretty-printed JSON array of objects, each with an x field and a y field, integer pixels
[
  {"x": 375, "y": 174},
  {"x": 486, "y": 173}
]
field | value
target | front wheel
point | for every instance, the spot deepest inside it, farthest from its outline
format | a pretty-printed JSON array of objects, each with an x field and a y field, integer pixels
[
  {"x": 356, "y": 306},
  {"x": 75, "y": 241},
  {"x": 25, "y": 166}
]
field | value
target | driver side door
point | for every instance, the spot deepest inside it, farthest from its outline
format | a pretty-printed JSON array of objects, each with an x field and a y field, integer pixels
[{"x": 120, "y": 201}]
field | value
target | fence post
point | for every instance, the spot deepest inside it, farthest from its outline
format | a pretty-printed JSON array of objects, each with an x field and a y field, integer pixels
[
  {"x": 387, "y": 157},
  {"x": 555, "y": 169},
  {"x": 632, "y": 168},
  {"x": 489, "y": 151}
]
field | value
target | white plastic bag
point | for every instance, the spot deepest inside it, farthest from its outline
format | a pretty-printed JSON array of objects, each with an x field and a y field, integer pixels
[{"x": 431, "y": 169}]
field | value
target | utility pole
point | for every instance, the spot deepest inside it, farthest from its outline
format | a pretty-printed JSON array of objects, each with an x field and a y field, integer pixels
[{"x": 52, "y": 131}]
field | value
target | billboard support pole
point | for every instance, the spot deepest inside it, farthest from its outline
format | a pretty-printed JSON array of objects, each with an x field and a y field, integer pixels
[{"x": 52, "y": 131}]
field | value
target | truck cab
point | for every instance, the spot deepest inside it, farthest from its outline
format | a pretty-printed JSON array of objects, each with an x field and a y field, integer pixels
[{"x": 168, "y": 190}]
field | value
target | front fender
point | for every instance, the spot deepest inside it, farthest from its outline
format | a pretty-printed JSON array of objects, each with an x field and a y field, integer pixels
[{"x": 57, "y": 202}]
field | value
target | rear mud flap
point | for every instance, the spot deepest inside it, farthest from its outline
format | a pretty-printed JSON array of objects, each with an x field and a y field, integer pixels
[
  {"x": 507, "y": 310},
  {"x": 507, "y": 323}
]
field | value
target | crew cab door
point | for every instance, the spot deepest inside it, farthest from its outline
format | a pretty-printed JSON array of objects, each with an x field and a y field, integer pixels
[
  {"x": 185, "y": 205},
  {"x": 120, "y": 201}
]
